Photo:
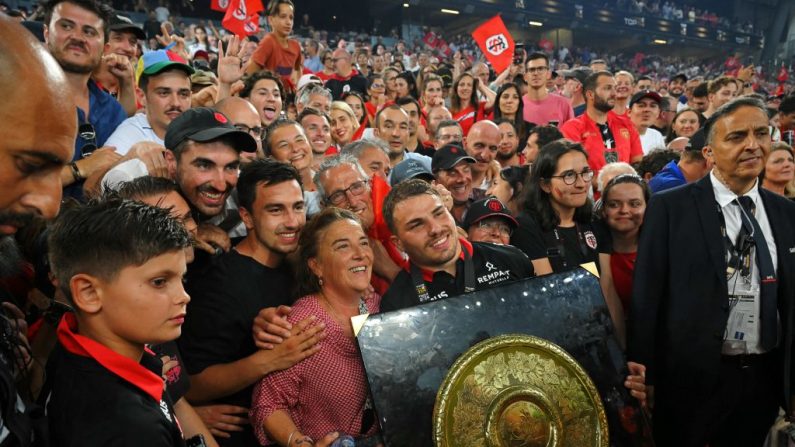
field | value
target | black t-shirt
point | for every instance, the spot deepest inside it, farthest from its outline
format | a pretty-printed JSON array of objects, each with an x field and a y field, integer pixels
[
  {"x": 177, "y": 379},
  {"x": 494, "y": 264},
  {"x": 566, "y": 248},
  {"x": 218, "y": 326},
  {"x": 422, "y": 149},
  {"x": 91, "y": 406},
  {"x": 338, "y": 87}
]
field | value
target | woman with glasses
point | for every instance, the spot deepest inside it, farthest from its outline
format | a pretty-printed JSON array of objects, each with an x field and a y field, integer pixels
[
  {"x": 390, "y": 81},
  {"x": 325, "y": 393},
  {"x": 624, "y": 202},
  {"x": 376, "y": 91},
  {"x": 464, "y": 103},
  {"x": 555, "y": 229},
  {"x": 328, "y": 66}
]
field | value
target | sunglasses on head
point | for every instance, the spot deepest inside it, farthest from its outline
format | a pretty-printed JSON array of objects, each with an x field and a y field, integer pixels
[{"x": 88, "y": 134}]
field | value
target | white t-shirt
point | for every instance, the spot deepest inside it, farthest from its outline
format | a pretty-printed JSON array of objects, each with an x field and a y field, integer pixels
[
  {"x": 134, "y": 129},
  {"x": 651, "y": 140}
]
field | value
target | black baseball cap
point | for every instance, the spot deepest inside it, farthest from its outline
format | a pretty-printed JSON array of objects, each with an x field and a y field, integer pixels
[
  {"x": 485, "y": 208},
  {"x": 697, "y": 141},
  {"x": 448, "y": 156},
  {"x": 407, "y": 170},
  {"x": 119, "y": 22},
  {"x": 203, "y": 124},
  {"x": 645, "y": 94},
  {"x": 580, "y": 74}
]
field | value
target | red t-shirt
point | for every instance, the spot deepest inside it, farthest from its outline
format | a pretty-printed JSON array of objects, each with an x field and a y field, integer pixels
[
  {"x": 623, "y": 265},
  {"x": 467, "y": 117},
  {"x": 584, "y": 130},
  {"x": 270, "y": 55}
]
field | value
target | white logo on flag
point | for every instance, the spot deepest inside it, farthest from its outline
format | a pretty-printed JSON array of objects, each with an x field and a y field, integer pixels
[
  {"x": 240, "y": 11},
  {"x": 496, "y": 44}
]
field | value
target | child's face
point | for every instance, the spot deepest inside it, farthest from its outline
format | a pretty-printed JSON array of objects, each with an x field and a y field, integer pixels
[{"x": 146, "y": 304}]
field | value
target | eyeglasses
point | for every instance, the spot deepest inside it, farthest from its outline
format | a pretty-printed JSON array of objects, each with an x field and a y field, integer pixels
[
  {"x": 492, "y": 225},
  {"x": 537, "y": 69},
  {"x": 87, "y": 133},
  {"x": 256, "y": 132},
  {"x": 356, "y": 189},
  {"x": 570, "y": 177}
]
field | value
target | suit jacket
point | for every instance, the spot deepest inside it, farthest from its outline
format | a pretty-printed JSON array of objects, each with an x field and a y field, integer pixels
[{"x": 680, "y": 305}]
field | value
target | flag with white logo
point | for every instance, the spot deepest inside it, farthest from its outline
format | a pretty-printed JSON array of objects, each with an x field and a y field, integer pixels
[
  {"x": 242, "y": 17},
  {"x": 496, "y": 43}
]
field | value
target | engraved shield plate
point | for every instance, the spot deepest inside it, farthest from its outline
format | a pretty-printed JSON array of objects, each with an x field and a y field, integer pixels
[{"x": 518, "y": 391}]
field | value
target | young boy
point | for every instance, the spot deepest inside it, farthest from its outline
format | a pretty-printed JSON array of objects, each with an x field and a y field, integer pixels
[
  {"x": 120, "y": 264},
  {"x": 276, "y": 52}
]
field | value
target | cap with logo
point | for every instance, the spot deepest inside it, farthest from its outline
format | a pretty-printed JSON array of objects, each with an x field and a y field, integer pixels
[
  {"x": 203, "y": 124},
  {"x": 449, "y": 155},
  {"x": 153, "y": 62},
  {"x": 645, "y": 94},
  {"x": 119, "y": 22},
  {"x": 697, "y": 141},
  {"x": 407, "y": 170},
  {"x": 485, "y": 208}
]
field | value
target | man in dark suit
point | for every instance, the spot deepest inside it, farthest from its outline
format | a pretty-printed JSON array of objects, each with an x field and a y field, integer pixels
[{"x": 712, "y": 306}]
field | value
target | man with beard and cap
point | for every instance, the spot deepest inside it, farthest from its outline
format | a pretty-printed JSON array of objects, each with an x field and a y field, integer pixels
[
  {"x": 75, "y": 31},
  {"x": 606, "y": 138},
  {"x": 36, "y": 141},
  {"x": 121, "y": 48},
  {"x": 164, "y": 79}
]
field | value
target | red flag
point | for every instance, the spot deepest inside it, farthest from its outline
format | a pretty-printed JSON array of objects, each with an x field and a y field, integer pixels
[
  {"x": 219, "y": 5},
  {"x": 496, "y": 43},
  {"x": 242, "y": 17}
]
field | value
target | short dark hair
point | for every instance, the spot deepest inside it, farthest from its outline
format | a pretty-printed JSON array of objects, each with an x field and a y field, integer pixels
[
  {"x": 273, "y": 6},
  {"x": 623, "y": 179},
  {"x": 279, "y": 123},
  {"x": 593, "y": 79},
  {"x": 103, "y": 237},
  {"x": 727, "y": 109},
  {"x": 546, "y": 135},
  {"x": 644, "y": 78},
  {"x": 267, "y": 171},
  {"x": 308, "y": 247},
  {"x": 311, "y": 111},
  {"x": 402, "y": 192},
  {"x": 402, "y": 101},
  {"x": 102, "y": 11},
  {"x": 146, "y": 186},
  {"x": 787, "y": 105},
  {"x": 537, "y": 55},
  {"x": 446, "y": 123},
  {"x": 251, "y": 81},
  {"x": 655, "y": 160},
  {"x": 701, "y": 90},
  {"x": 718, "y": 83}
]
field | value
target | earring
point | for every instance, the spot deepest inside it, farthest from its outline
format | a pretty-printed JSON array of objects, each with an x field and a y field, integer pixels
[{"x": 320, "y": 281}]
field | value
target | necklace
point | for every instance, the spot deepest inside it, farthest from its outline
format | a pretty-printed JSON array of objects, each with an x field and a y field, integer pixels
[{"x": 344, "y": 324}]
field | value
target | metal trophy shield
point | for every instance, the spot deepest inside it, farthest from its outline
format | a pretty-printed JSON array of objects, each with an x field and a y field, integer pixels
[{"x": 411, "y": 354}]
